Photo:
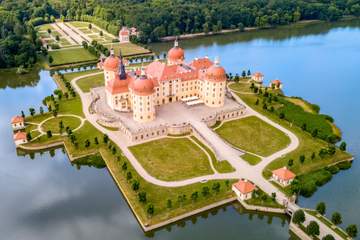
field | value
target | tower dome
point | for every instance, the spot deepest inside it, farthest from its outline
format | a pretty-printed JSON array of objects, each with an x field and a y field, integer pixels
[
  {"x": 176, "y": 54},
  {"x": 142, "y": 85},
  {"x": 112, "y": 62},
  {"x": 216, "y": 73}
]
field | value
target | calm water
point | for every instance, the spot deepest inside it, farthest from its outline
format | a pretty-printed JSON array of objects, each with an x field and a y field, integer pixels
[{"x": 47, "y": 198}]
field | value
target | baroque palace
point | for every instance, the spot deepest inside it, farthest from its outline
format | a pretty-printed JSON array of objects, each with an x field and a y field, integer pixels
[{"x": 199, "y": 82}]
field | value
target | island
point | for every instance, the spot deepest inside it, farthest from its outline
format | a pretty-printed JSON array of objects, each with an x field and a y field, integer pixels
[{"x": 182, "y": 137}]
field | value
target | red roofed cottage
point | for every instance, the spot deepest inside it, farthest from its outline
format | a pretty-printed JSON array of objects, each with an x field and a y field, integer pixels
[
  {"x": 283, "y": 176},
  {"x": 243, "y": 189}
]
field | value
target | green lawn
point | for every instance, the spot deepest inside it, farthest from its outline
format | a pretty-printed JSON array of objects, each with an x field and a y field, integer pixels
[
  {"x": 251, "y": 159},
  {"x": 220, "y": 166},
  {"x": 71, "y": 56},
  {"x": 307, "y": 146},
  {"x": 159, "y": 196},
  {"x": 128, "y": 49},
  {"x": 253, "y": 135},
  {"x": 172, "y": 159},
  {"x": 241, "y": 87},
  {"x": 78, "y": 24},
  {"x": 91, "y": 82},
  {"x": 260, "y": 198},
  {"x": 53, "y": 124}
]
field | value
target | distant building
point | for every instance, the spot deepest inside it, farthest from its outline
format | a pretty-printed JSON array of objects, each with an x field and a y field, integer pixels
[
  {"x": 276, "y": 84},
  {"x": 283, "y": 176},
  {"x": 258, "y": 77},
  {"x": 243, "y": 189},
  {"x": 124, "y": 35},
  {"x": 17, "y": 123},
  {"x": 20, "y": 138}
]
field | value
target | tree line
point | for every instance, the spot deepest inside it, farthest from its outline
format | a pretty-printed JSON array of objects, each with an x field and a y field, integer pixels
[{"x": 156, "y": 19}]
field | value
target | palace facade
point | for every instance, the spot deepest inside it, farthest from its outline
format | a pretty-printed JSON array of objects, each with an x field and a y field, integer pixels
[{"x": 200, "y": 81}]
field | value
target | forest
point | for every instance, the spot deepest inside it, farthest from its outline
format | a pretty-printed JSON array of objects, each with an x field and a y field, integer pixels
[{"x": 154, "y": 18}]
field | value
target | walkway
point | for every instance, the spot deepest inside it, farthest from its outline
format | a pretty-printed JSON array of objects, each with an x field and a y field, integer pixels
[{"x": 242, "y": 168}]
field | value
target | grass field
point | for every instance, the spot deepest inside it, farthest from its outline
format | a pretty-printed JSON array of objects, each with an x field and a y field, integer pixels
[
  {"x": 180, "y": 197},
  {"x": 241, "y": 87},
  {"x": 260, "y": 198},
  {"x": 253, "y": 135},
  {"x": 251, "y": 159},
  {"x": 220, "y": 166},
  {"x": 308, "y": 145},
  {"x": 172, "y": 159},
  {"x": 91, "y": 82},
  {"x": 128, "y": 49},
  {"x": 53, "y": 124},
  {"x": 70, "y": 56}
]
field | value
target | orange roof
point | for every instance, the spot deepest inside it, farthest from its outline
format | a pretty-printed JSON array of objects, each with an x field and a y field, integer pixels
[
  {"x": 176, "y": 54},
  {"x": 244, "y": 186},
  {"x": 216, "y": 73},
  {"x": 142, "y": 86},
  {"x": 111, "y": 63},
  {"x": 19, "y": 136},
  {"x": 117, "y": 85},
  {"x": 201, "y": 63},
  {"x": 258, "y": 74},
  {"x": 124, "y": 31},
  {"x": 17, "y": 119},
  {"x": 162, "y": 72},
  {"x": 284, "y": 173},
  {"x": 276, "y": 82}
]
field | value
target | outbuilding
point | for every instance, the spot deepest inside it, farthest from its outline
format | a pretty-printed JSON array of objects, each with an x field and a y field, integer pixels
[
  {"x": 283, "y": 176},
  {"x": 17, "y": 123},
  {"x": 243, "y": 189},
  {"x": 20, "y": 138}
]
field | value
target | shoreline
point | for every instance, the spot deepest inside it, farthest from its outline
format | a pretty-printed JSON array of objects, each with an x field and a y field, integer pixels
[{"x": 227, "y": 31}]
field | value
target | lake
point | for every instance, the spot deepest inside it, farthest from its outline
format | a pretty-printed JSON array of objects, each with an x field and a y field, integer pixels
[{"x": 45, "y": 197}]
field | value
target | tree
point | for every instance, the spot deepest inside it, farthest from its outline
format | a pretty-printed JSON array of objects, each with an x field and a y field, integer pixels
[
  {"x": 352, "y": 230},
  {"x": 169, "y": 203},
  {"x": 313, "y": 156},
  {"x": 241, "y": 27},
  {"x": 101, "y": 33},
  {"x": 28, "y": 136},
  {"x": 106, "y": 138},
  {"x": 273, "y": 196},
  {"x": 298, "y": 217},
  {"x": 216, "y": 187},
  {"x": 150, "y": 209},
  {"x": 87, "y": 143},
  {"x": 90, "y": 26},
  {"x": 194, "y": 196},
  {"x": 135, "y": 185},
  {"x": 142, "y": 197},
  {"x": 321, "y": 208},
  {"x": 32, "y": 111},
  {"x": 23, "y": 114},
  {"x": 328, "y": 237},
  {"x": 57, "y": 38},
  {"x": 290, "y": 162},
  {"x": 314, "y": 133},
  {"x": 243, "y": 74},
  {"x": 49, "y": 133},
  {"x": 205, "y": 191},
  {"x": 303, "y": 127},
  {"x": 248, "y": 73},
  {"x": 41, "y": 110},
  {"x": 343, "y": 146},
  {"x": 257, "y": 102},
  {"x": 50, "y": 59},
  {"x": 128, "y": 176},
  {"x": 96, "y": 140},
  {"x": 336, "y": 218},
  {"x": 302, "y": 159},
  {"x": 49, "y": 31},
  {"x": 124, "y": 166},
  {"x": 313, "y": 229}
]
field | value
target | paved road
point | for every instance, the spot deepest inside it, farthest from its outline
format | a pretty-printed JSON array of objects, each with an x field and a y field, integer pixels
[{"x": 243, "y": 169}]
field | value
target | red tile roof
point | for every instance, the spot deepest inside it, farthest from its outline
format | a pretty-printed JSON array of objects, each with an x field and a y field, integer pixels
[
  {"x": 19, "y": 136},
  {"x": 258, "y": 74},
  {"x": 284, "y": 173},
  {"x": 244, "y": 186},
  {"x": 276, "y": 82},
  {"x": 117, "y": 85},
  {"x": 17, "y": 119}
]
